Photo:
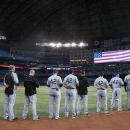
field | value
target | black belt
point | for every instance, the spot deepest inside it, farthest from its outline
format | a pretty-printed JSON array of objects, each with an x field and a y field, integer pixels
[
  {"x": 57, "y": 89},
  {"x": 70, "y": 88},
  {"x": 101, "y": 89}
]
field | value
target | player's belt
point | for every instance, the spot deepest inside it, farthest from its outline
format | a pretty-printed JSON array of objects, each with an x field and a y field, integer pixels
[
  {"x": 101, "y": 89},
  {"x": 70, "y": 88},
  {"x": 57, "y": 89}
]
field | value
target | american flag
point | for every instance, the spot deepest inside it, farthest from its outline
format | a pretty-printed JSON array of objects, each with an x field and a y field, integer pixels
[{"x": 112, "y": 56}]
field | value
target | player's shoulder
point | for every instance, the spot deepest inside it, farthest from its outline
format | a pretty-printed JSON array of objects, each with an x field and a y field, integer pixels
[
  {"x": 58, "y": 77},
  {"x": 50, "y": 77},
  {"x": 127, "y": 76},
  {"x": 14, "y": 73}
]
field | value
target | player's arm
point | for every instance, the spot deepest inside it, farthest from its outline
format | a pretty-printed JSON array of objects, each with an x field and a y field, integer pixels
[
  {"x": 64, "y": 84},
  {"x": 68, "y": 87},
  {"x": 87, "y": 82},
  {"x": 6, "y": 85},
  {"x": 125, "y": 85},
  {"x": 36, "y": 83},
  {"x": 15, "y": 78},
  {"x": 107, "y": 84},
  {"x": 77, "y": 82},
  {"x": 60, "y": 82},
  {"x": 48, "y": 83},
  {"x": 122, "y": 83},
  {"x": 96, "y": 85},
  {"x": 110, "y": 84}
]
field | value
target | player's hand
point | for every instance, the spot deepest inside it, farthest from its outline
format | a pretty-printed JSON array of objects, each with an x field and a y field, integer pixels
[
  {"x": 125, "y": 90},
  {"x": 68, "y": 87},
  {"x": 6, "y": 85}
]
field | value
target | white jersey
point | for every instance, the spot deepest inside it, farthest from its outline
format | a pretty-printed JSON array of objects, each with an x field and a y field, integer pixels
[
  {"x": 101, "y": 83},
  {"x": 127, "y": 81},
  {"x": 116, "y": 82},
  {"x": 71, "y": 80},
  {"x": 54, "y": 81}
]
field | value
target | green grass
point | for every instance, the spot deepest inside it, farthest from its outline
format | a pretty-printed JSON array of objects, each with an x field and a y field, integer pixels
[{"x": 43, "y": 101}]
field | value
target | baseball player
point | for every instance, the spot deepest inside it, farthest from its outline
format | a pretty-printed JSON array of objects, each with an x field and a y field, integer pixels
[
  {"x": 82, "y": 93},
  {"x": 101, "y": 84},
  {"x": 127, "y": 89},
  {"x": 10, "y": 82},
  {"x": 30, "y": 84},
  {"x": 116, "y": 84},
  {"x": 54, "y": 82},
  {"x": 114, "y": 75},
  {"x": 70, "y": 82}
]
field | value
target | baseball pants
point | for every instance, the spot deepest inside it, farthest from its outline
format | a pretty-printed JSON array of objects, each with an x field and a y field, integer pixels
[
  {"x": 102, "y": 94},
  {"x": 8, "y": 106},
  {"x": 55, "y": 96},
  {"x": 70, "y": 96},
  {"x": 118, "y": 92},
  {"x": 128, "y": 99},
  {"x": 85, "y": 100},
  {"x": 33, "y": 100}
]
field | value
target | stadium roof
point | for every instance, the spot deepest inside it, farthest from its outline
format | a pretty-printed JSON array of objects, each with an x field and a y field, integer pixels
[{"x": 31, "y": 21}]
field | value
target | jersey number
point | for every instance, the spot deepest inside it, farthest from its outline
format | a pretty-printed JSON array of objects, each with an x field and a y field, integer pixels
[
  {"x": 100, "y": 83},
  {"x": 53, "y": 81},
  {"x": 69, "y": 80},
  {"x": 115, "y": 81}
]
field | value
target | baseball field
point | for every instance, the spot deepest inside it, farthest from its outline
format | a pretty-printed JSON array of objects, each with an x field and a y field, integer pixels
[{"x": 43, "y": 106}]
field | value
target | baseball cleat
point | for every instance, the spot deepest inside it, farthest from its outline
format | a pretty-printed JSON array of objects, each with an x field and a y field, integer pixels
[
  {"x": 86, "y": 114},
  {"x": 6, "y": 118},
  {"x": 119, "y": 110},
  {"x": 75, "y": 117},
  {"x": 14, "y": 119},
  {"x": 112, "y": 109},
  {"x": 37, "y": 119},
  {"x": 97, "y": 112},
  {"x": 107, "y": 113},
  {"x": 128, "y": 109},
  {"x": 24, "y": 117},
  {"x": 57, "y": 118}
]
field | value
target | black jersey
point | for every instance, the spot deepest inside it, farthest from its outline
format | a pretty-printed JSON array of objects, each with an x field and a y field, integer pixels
[{"x": 83, "y": 84}]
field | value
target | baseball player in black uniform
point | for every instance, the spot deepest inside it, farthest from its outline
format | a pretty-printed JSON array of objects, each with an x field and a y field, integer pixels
[
  {"x": 30, "y": 84},
  {"x": 70, "y": 82},
  {"x": 54, "y": 82},
  {"x": 101, "y": 84},
  {"x": 82, "y": 93},
  {"x": 10, "y": 82}
]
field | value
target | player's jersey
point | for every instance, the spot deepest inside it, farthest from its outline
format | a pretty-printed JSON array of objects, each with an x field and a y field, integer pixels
[
  {"x": 71, "y": 80},
  {"x": 101, "y": 82},
  {"x": 116, "y": 82},
  {"x": 127, "y": 81},
  {"x": 54, "y": 81}
]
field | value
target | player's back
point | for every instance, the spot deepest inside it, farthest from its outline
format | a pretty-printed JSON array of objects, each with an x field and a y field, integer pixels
[
  {"x": 127, "y": 81},
  {"x": 54, "y": 81},
  {"x": 101, "y": 82},
  {"x": 116, "y": 82},
  {"x": 71, "y": 80}
]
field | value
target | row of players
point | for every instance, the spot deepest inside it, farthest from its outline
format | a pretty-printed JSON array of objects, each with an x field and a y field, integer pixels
[{"x": 71, "y": 83}]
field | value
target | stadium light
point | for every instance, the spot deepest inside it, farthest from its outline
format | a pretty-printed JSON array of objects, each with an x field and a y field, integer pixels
[
  {"x": 73, "y": 44},
  {"x": 52, "y": 44},
  {"x": 58, "y": 45},
  {"x": 67, "y": 45},
  {"x": 81, "y": 44}
]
